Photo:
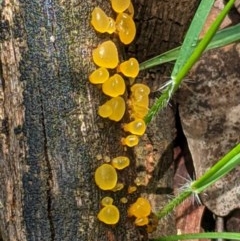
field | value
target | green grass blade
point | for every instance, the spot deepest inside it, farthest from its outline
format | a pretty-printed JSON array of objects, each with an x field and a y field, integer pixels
[
  {"x": 219, "y": 174},
  {"x": 213, "y": 235},
  {"x": 177, "y": 80},
  {"x": 222, "y": 38},
  {"x": 166, "y": 57},
  {"x": 192, "y": 36},
  {"x": 175, "y": 202},
  {"x": 160, "y": 103},
  {"x": 221, "y": 168},
  {"x": 202, "y": 45},
  {"x": 225, "y": 36}
]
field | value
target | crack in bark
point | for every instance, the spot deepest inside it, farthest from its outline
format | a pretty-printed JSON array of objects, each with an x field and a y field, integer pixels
[
  {"x": 52, "y": 21},
  {"x": 50, "y": 176}
]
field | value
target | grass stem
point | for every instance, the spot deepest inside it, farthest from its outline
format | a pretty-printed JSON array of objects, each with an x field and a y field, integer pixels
[{"x": 213, "y": 235}]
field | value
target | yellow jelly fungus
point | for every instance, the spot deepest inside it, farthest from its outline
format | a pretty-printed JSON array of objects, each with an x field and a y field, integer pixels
[
  {"x": 132, "y": 189},
  {"x": 141, "y": 221},
  {"x": 136, "y": 127},
  {"x": 109, "y": 214},
  {"x": 130, "y": 10},
  {"x": 130, "y": 68},
  {"x": 105, "y": 110},
  {"x": 99, "y": 76},
  {"x": 111, "y": 26},
  {"x": 141, "y": 208},
  {"x": 107, "y": 201},
  {"x": 118, "y": 106},
  {"x": 123, "y": 200},
  {"x": 136, "y": 107},
  {"x": 106, "y": 177},
  {"x": 140, "y": 90},
  {"x": 126, "y": 28},
  {"x": 120, "y": 162},
  {"x": 140, "y": 100},
  {"x": 130, "y": 140},
  {"x": 106, "y": 55},
  {"x": 138, "y": 111},
  {"x": 120, "y": 6},
  {"x": 118, "y": 187},
  {"x": 114, "y": 109},
  {"x": 101, "y": 22},
  {"x": 114, "y": 86}
]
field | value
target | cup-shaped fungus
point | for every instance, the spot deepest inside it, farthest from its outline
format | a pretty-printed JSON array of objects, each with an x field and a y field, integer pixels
[
  {"x": 107, "y": 201},
  {"x": 114, "y": 86},
  {"x": 99, "y": 76},
  {"x": 139, "y": 100},
  {"x": 111, "y": 26},
  {"x": 126, "y": 28},
  {"x": 130, "y": 68},
  {"x": 130, "y": 10},
  {"x": 106, "y": 177},
  {"x": 141, "y": 221},
  {"x": 120, "y": 6},
  {"x": 123, "y": 200},
  {"x": 119, "y": 186},
  {"x": 118, "y": 106},
  {"x": 106, "y": 55},
  {"x": 140, "y": 90},
  {"x": 114, "y": 109},
  {"x": 105, "y": 110},
  {"x": 109, "y": 214},
  {"x": 101, "y": 22},
  {"x": 130, "y": 140},
  {"x": 141, "y": 208},
  {"x": 120, "y": 162},
  {"x": 138, "y": 111},
  {"x": 132, "y": 189},
  {"x": 136, "y": 127}
]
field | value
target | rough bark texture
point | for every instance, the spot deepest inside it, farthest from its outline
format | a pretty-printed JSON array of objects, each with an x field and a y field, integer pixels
[{"x": 51, "y": 134}]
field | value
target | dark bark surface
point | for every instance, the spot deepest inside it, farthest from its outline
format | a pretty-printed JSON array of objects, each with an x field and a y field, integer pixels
[{"x": 51, "y": 134}]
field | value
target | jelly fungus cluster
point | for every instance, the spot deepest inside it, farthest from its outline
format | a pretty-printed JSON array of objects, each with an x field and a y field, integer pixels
[
  {"x": 109, "y": 214},
  {"x": 141, "y": 209},
  {"x": 124, "y": 25},
  {"x": 120, "y": 162},
  {"x": 106, "y": 178},
  {"x": 138, "y": 108},
  {"x": 106, "y": 58}
]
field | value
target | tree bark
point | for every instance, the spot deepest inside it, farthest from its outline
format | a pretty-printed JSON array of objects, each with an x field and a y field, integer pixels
[{"x": 51, "y": 134}]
